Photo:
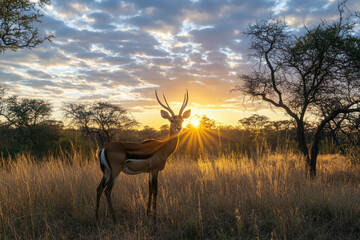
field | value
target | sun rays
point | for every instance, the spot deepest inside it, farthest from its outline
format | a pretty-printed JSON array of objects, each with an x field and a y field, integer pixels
[
  {"x": 195, "y": 122},
  {"x": 196, "y": 139}
]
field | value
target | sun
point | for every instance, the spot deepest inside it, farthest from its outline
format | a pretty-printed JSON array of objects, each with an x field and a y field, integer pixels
[{"x": 195, "y": 122}]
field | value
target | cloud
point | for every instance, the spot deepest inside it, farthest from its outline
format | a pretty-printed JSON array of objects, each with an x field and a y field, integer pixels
[
  {"x": 101, "y": 21},
  {"x": 121, "y": 50},
  {"x": 117, "y": 7}
]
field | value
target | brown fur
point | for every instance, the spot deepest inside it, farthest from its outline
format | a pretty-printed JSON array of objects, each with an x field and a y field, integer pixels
[
  {"x": 155, "y": 151},
  {"x": 134, "y": 158}
]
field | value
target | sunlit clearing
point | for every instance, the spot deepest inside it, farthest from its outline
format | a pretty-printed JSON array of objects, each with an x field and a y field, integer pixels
[{"x": 195, "y": 122}]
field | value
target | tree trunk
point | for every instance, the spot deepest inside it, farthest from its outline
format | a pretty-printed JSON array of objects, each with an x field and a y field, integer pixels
[
  {"x": 314, "y": 154},
  {"x": 310, "y": 168},
  {"x": 301, "y": 139}
]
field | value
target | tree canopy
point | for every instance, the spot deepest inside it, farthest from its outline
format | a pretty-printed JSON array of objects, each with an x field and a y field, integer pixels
[
  {"x": 28, "y": 124},
  {"x": 18, "y": 24},
  {"x": 99, "y": 119},
  {"x": 315, "y": 74},
  {"x": 255, "y": 121},
  {"x": 23, "y": 113}
]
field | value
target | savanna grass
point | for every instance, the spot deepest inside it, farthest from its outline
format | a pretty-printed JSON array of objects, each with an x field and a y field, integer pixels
[{"x": 216, "y": 197}]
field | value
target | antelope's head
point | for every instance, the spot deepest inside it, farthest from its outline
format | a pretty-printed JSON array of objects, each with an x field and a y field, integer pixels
[{"x": 176, "y": 121}]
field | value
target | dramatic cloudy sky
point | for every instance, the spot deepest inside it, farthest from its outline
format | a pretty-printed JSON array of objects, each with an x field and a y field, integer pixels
[{"x": 120, "y": 51}]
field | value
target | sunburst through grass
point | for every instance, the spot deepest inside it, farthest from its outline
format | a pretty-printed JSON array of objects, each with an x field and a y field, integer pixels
[{"x": 197, "y": 139}]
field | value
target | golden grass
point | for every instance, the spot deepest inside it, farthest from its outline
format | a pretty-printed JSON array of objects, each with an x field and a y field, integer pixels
[{"x": 216, "y": 198}]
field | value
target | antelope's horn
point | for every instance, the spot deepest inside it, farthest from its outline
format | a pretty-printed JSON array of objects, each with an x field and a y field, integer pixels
[
  {"x": 185, "y": 102},
  {"x": 166, "y": 107}
]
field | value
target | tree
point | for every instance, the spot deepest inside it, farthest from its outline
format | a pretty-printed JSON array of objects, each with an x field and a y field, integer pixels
[
  {"x": 18, "y": 19},
  {"x": 281, "y": 125},
  {"x": 206, "y": 122},
  {"x": 148, "y": 133},
  {"x": 28, "y": 122},
  {"x": 345, "y": 132},
  {"x": 164, "y": 131},
  {"x": 314, "y": 74},
  {"x": 100, "y": 119},
  {"x": 255, "y": 122},
  {"x": 25, "y": 113}
]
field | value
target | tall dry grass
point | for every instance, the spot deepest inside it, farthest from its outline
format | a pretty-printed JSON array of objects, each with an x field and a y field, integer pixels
[{"x": 226, "y": 197}]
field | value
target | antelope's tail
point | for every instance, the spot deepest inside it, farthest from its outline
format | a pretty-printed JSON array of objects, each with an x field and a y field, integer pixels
[{"x": 104, "y": 165}]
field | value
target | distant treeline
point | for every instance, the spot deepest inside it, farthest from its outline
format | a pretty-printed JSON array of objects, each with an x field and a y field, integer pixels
[
  {"x": 53, "y": 138},
  {"x": 27, "y": 127}
]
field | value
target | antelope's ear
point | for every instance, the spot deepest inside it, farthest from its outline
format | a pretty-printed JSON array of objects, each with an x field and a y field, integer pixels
[
  {"x": 165, "y": 114},
  {"x": 186, "y": 114}
]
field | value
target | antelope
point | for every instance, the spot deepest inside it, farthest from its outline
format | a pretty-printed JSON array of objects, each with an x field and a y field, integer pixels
[{"x": 132, "y": 158}]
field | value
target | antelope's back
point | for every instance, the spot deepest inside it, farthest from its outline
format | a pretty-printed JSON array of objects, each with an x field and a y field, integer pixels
[
  {"x": 133, "y": 150},
  {"x": 142, "y": 150}
]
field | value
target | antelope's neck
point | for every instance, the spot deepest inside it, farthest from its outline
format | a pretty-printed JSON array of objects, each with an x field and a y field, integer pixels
[{"x": 172, "y": 142}]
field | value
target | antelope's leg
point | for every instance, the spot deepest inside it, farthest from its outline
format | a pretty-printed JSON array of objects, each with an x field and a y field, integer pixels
[
  {"x": 150, "y": 194},
  {"x": 155, "y": 190},
  {"x": 99, "y": 190},
  {"x": 108, "y": 197}
]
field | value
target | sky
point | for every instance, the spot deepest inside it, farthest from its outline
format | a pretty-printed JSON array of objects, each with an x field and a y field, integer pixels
[{"x": 121, "y": 51}]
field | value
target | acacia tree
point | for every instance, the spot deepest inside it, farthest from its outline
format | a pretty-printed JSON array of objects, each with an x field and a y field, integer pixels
[
  {"x": 100, "y": 119},
  {"x": 206, "y": 122},
  {"x": 305, "y": 75},
  {"x": 18, "y": 19},
  {"x": 29, "y": 123},
  {"x": 25, "y": 112},
  {"x": 255, "y": 122}
]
